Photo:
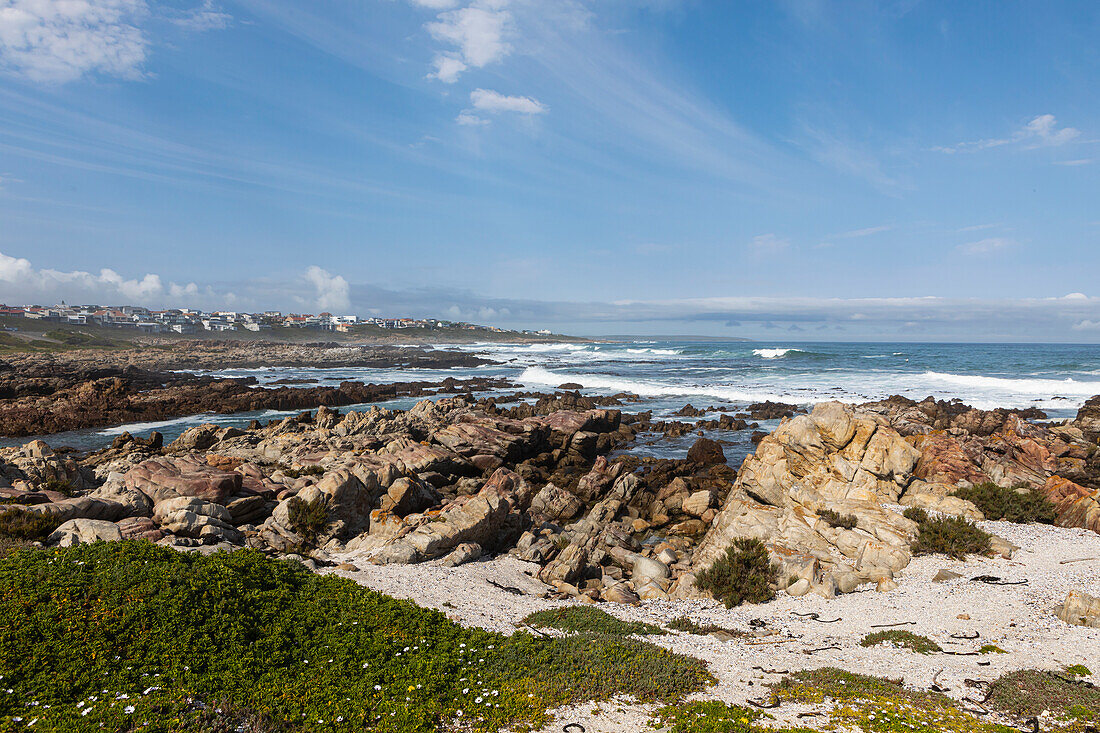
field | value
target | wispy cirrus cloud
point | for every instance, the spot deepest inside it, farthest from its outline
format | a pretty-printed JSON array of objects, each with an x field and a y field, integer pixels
[
  {"x": 986, "y": 246},
  {"x": 205, "y": 17},
  {"x": 1041, "y": 131},
  {"x": 768, "y": 244}
]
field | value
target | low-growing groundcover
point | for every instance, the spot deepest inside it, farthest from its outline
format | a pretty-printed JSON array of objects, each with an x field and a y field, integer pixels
[
  {"x": 588, "y": 619},
  {"x": 877, "y": 705},
  {"x": 907, "y": 639},
  {"x": 142, "y": 638},
  {"x": 1022, "y": 505}
]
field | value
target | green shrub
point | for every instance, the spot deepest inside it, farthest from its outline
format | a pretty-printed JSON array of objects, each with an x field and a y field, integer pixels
[
  {"x": 840, "y": 521},
  {"x": 916, "y": 514},
  {"x": 991, "y": 649},
  {"x": 588, "y": 619},
  {"x": 25, "y": 525},
  {"x": 149, "y": 639},
  {"x": 1031, "y": 692},
  {"x": 744, "y": 574},
  {"x": 906, "y": 639},
  {"x": 1078, "y": 670},
  {"x": 951, "y": 536},
  {"x": 59, "y": 485},
  {"x": 308, "y": 518},
  {"x": 1022, "y": 505},
  {"x": 304, "y": 471}
]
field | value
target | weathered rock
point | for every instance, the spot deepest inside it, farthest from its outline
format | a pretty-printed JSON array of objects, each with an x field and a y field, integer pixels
[
  {"x": 567, "y": 567},
  {"x": 705, "y": 452},
  {"x": 1075, "y": 505},
  {"x": 478, "y": 519},
  {"x": 943, "y": 575},
  {"x": 1080, "y": 609},
  {"x": 167, "y": 478},
  {"x": 555, "y": 504},
  {"x": 84, "y": 532},
  {"x": 697, "y": 503},
  {"x": 464, "y": 553}
]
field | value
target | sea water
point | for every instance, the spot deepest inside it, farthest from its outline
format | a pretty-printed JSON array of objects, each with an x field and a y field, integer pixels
[{"x": 667, "y": 374}]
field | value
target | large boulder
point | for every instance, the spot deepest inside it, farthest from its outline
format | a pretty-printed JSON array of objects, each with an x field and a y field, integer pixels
[
  {"x": 835, "y": 458},
  {"x": 1074, "y": 505},
  {"x": 166, "y": 478},
  {"x": 84, "y": 532},
  {"x": 1080, "y": 609}
]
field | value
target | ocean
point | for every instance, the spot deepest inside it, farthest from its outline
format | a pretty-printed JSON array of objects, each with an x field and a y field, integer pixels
[{"x": 668, "y": 374}]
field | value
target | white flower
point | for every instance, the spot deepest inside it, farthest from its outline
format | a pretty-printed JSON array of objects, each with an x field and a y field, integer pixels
[{"x": 128, "y": 709}]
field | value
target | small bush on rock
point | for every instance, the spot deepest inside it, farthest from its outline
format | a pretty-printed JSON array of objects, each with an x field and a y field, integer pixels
[
  {"x": 951, "y": 536},
  {"x": 744, "y": 574},
  {"x": 25, "y": 525},
  {"x": 1022, "y": 505},
  {"x": 839, "y": 521},
  {"x": 308, "y": 518}
]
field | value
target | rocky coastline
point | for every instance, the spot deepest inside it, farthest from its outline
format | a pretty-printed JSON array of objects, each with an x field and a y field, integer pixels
[
  {"x": 540, "y": 501},
  {"x": 49, "y": 393}
]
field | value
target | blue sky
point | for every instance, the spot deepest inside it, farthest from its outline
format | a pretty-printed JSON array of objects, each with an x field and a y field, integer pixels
[{"x": 909, "y": 170}]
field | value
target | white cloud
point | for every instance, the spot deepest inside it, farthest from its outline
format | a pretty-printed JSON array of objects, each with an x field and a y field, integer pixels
[
  {"x": 857, "y": 233},
  {"x": 490, "y": 101},
  {"x": 477, "y": 32},
  {"x": 435, "y": 4},
  {"x": 1039, "y": 132},
  {"x": 466, "y": 118},
  {"x": 768, "y": 244},
  {"x": 206, "y": 17},
  {"x": 23, "y": 283},
  {"x": 1074, "y": 163},
  {"x": 1086, "y": 325},
  {"x": 62, "y": 40},
  {"x": 447, "y": 68},
  {"x": 332, "y": 291},
  {"x": 1075, "y": 296},
  {"x": 986, "y": 246}
]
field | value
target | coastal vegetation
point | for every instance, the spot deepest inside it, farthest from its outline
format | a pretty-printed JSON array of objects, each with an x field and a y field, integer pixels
[
  {"x": 904, "y": 639},
  {"x": 131, "y": 636},
  {"x": 586, "y": 619},
  {"x": 1021, "y": 504},
  {"x": 838, "y": 521},
  {"x": 947, "y": 535},
  {"x": 744, "y": 574}
]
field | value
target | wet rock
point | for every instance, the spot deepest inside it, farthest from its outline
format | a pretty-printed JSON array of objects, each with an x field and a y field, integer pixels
[{"x": 706, "y": 452}]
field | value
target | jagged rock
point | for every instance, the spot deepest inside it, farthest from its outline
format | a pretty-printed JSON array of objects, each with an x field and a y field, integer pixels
[
  {"x": 595, "y": 483},
  {"x": 477, "y": 519},
  {"x": 706, "y": 452},
  {"x": 835, "y": 458},
  {"x": 167, "y": 478},
  {"x": 1080, "y": 609},
  {"x": 567, "y": 567},
  {"x": 84, "y": 532},
  {"x": 135, "y": 502},
  {"x": 464, "y": 553},
  {"x": 944, "y": 575},
  {"x": 197, "y": 438},
  {"x": 555, "y": 504},
  {"x": 1075, "y": 506},
  {"x": 406, "y": 496},
  {"x": 698, "y": 503}
]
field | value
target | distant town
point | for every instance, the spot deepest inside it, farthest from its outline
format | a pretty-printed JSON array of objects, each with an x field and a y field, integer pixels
[{"x": 189, "y": 320}]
